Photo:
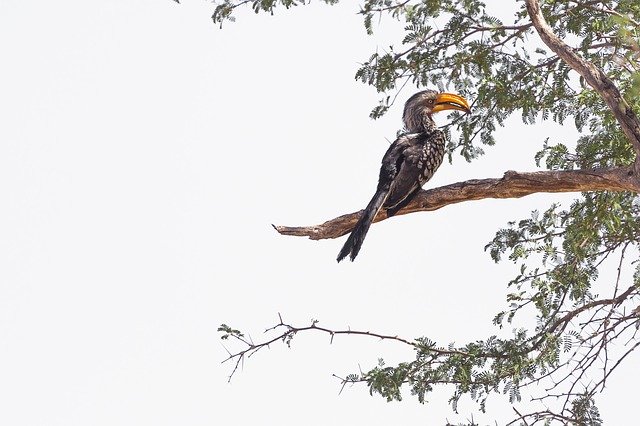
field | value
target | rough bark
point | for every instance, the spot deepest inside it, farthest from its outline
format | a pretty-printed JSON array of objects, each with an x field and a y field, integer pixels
[{"x": 511, "y": 185}]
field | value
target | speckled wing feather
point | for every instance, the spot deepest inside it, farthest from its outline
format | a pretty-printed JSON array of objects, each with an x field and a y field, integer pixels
[
  {"x": 420, "y": 159},
  {"x": 407, "y": 178}
]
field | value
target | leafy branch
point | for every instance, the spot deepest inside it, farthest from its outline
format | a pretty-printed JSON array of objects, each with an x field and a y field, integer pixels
[{"x": 494, "y": 365}]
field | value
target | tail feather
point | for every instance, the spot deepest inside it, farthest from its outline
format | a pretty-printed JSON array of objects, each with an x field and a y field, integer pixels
[{"x": 356, "y": 238}]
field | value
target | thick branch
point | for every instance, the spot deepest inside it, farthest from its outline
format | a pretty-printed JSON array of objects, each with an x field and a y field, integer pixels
[
  {"x": 593, "y": 75},
  {"x": 511, "y": 185}
]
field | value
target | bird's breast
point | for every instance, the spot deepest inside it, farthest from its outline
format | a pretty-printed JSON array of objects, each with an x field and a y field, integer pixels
[{"x": 431, "y": 155}]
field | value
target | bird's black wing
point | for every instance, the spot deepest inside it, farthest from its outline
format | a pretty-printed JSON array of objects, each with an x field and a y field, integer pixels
[
  {"x": 407, "y": 179},
  {"x": 392, "y": 161}
]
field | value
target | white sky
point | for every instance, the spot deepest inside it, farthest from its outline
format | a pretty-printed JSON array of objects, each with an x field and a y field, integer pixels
[{"x": 144, "y": 154}]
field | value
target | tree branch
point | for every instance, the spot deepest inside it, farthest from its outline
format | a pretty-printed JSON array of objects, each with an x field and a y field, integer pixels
[
  {"x": 593, "y": 75},
  {"x": 289, "y": 332},
  {"x": 511, "y": 185}
]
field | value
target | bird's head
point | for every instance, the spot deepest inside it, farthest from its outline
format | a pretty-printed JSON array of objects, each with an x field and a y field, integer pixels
[{"x": 423, "y": 104}]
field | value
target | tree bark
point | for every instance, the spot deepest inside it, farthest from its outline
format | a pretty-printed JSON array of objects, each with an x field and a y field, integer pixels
[{"x": 511, "y": 185}]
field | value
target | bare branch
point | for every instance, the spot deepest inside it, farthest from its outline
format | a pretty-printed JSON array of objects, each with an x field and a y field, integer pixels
[
  {"x": 511, "y": 185},
  {"x": 289, "y": 331}
]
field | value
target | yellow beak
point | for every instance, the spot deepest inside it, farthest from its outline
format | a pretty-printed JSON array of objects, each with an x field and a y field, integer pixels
[{"x": 446, "y": 101}]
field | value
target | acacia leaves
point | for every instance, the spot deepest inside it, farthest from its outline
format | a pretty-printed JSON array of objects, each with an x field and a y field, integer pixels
[
  {"x": 225, "y": 8},
  {"x": 461, "y": 45}
]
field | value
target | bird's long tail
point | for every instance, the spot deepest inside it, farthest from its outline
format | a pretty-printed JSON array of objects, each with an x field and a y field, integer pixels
[{"x": 356, "y": 238}]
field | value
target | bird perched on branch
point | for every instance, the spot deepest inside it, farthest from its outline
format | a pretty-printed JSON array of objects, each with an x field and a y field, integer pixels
[{"x": 409, "y": 163}]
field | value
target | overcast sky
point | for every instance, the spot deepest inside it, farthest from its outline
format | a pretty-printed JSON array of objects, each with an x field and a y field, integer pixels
[{"x": 144, "y": 155}]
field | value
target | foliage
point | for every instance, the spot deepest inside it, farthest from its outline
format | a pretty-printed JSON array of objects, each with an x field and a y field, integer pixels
[{"x": 462, "y": 45}]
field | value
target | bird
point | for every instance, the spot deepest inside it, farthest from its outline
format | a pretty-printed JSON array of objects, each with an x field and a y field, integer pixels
[{"x": 409, "y": 163}]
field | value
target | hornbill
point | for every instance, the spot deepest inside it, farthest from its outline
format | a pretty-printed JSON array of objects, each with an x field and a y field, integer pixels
[{"x": 409, "y": 163}]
